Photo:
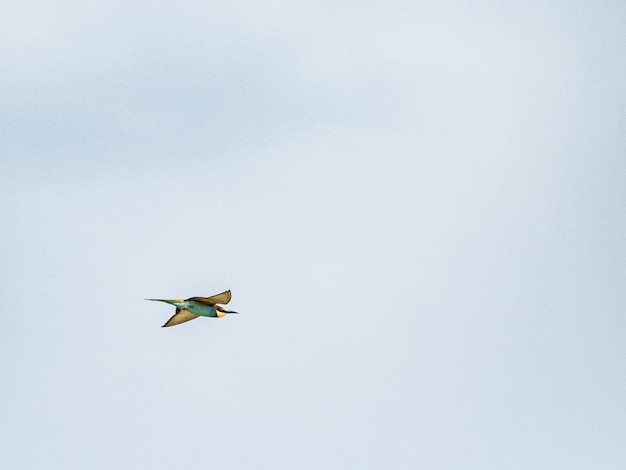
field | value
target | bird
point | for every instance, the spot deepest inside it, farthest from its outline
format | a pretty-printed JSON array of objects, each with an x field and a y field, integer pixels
[{"x": 193, "y": 307}]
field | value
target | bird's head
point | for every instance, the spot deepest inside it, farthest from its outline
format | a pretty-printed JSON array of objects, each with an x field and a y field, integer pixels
[{"x": 222, "y": 312}]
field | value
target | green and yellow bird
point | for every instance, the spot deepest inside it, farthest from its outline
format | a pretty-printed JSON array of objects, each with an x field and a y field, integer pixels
[{"x": 194, "y": 307}]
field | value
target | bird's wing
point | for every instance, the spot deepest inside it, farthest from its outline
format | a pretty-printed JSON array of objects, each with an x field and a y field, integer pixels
[
  {"x": 181, "y": 316},
  {"x": 222, "y": 298}
]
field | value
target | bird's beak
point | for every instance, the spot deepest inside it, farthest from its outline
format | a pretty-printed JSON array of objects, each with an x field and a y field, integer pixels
[{"x": 230, "y": 311}]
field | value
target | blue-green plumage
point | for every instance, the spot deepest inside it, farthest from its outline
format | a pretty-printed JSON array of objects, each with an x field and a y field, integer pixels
[
  {"x": 188, "y": 309},
  {"x": 198, "y": 309},
  {"x": 191, "y": 306}
]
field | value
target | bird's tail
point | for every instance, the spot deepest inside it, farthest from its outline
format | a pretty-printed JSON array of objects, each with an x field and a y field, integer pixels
[{"x": 167, "y": 301}]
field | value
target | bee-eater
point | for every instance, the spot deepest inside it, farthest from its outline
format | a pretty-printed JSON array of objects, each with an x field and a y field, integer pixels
[{"x": 193, "y": 307}]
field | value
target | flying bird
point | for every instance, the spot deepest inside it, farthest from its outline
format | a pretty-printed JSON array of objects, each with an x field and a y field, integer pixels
[{"x": 194, "y": 307}]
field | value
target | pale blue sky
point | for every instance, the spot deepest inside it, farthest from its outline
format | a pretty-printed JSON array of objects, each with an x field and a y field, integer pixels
[{"x": 419, "y": 208}]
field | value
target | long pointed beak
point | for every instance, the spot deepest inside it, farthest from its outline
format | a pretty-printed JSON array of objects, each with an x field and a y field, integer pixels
[{"x": 231, "y": 311}]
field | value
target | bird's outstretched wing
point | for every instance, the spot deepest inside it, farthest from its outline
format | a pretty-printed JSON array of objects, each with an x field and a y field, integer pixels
[
  {"x": 222, "y": 298},
  {"x": 181, "y": 316}
]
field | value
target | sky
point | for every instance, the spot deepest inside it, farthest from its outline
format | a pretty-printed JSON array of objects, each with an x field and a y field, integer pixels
[{"x": 419, "y": 208}]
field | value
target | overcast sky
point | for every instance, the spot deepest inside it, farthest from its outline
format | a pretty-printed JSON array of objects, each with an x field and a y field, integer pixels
[{"x": 419, "y": 208}]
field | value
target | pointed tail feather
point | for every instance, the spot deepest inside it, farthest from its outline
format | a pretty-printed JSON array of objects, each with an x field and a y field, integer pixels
[{"x": 167, "y": 301}]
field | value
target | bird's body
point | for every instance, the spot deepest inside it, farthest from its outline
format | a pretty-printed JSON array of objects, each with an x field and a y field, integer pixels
[{"x": 193, "y": 307}]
